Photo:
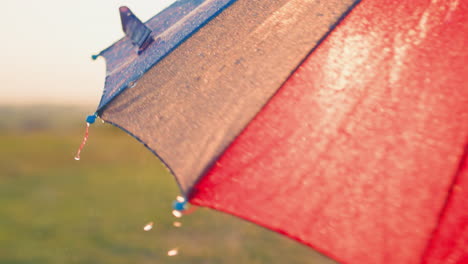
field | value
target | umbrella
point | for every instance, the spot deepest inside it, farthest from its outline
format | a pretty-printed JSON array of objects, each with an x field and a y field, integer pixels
[{"x": 341, "y": 124}]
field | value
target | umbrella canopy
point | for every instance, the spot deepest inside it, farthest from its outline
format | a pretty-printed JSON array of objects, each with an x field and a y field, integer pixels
[
  {"x": 355, "y": 145},
  {"x": 206, "y": 90}
]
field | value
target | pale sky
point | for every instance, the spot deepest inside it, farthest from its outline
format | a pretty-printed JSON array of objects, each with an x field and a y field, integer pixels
[{"x": 46, "y": 47}]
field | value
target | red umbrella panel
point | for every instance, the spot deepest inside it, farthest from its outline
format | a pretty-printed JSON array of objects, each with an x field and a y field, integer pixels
[
  {"x": 350, "y": 139},
  {"x": 362, "y": 153}
]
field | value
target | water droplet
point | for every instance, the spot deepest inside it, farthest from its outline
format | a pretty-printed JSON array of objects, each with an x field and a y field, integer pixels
[
  {"x": 132, "y": 84},
  {"x": 85, "y": 138},
  {"x": 173, "y": 252},
  {"x": 180, "y": 199},
  {"x": 148, "y": 226},
  {"x": 176, "y": 213},
  {"x": 177, "y": 224}
]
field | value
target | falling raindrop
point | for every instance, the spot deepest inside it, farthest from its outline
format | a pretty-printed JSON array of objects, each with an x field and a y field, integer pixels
[
  {"x": 89, "y": 120},
  {"x": 148, "y": 226},
  {"x": 173, "y": 252},
  {"x": 177, "y": 224}
]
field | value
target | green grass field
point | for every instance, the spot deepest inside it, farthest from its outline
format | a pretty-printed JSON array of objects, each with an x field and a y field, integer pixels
[{"x": 54, "y": 209}]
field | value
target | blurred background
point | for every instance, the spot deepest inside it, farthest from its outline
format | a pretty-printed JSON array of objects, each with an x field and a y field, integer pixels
[{"x": 54, "y": 209}]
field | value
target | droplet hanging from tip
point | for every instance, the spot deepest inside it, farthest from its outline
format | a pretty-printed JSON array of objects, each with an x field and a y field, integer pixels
[
  {"x": 89, "y": 120},
  {"x": 181, "y": 207},
  {"x": 177, "y": 213}
]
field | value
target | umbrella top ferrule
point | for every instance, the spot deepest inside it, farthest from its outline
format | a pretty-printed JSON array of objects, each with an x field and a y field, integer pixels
[
  {"x": 134, "y": 29},
  {"x": 157, "y": 37}
]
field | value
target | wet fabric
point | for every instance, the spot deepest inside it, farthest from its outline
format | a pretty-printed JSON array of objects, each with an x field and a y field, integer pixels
[
  {"x": 362, "y": 154},
  {"x": 194, "y": 102},
  {"x": 125, "y": 63}
]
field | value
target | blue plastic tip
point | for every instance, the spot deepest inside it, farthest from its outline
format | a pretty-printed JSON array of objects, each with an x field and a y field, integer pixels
[
  {"x": 94, "y": 57},
  {"x": 91, "y": 119},
  {"x": 179, "y": 206}
]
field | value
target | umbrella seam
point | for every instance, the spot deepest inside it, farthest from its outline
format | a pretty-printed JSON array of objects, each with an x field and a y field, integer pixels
[
  {"x": 319, "y": 42},
  {"x": 448, "y": 199}
]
